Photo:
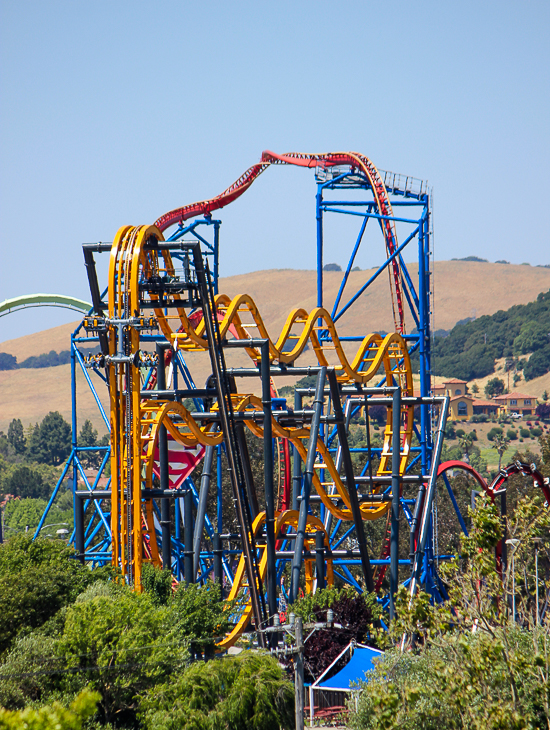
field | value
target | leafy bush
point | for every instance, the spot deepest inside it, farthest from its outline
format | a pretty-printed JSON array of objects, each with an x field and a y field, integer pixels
[
  {"x": 495, "y": 431},
  {"x": 37, "y": 578},
  {"x": 511, "y": 434},
  {"x": 543, "y": 410},
  {"x": 480, "y": 418},
  {"x": 525, "y": 433},
  {"x": 332, "y": 267},
  {"x": 131, "y": 644},
  {"x": 53, "y": 717},
  {"x": 247, "y": 692},
  {"x": 355, "y": 613},
  {"x": 536, "y": 432}
]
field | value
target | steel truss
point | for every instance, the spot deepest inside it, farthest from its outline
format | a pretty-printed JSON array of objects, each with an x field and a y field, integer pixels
[{"x": 398, "y": 478}]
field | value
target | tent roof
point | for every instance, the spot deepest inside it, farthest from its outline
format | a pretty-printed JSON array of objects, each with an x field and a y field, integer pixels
[{"x": 354, "y": 671}]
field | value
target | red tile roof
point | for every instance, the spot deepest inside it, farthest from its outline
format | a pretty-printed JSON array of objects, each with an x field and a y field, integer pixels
[
  {"x": 455, "y": 380},
  {"x": 507, "y": 396}
]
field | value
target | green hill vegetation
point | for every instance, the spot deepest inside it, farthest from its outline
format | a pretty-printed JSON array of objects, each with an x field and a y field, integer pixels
[{"x": 471, "y": 348}]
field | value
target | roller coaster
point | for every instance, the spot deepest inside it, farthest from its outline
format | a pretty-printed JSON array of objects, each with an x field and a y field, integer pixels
[{"x": 328, "y": 509}]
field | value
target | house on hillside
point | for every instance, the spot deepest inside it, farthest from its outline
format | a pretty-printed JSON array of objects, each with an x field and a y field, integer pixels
[
  {"x": 516, "y": 403},
  {"x": 487, "y": 407},
  {"x": 461, "y": 407},
  {"x": 452, "y": 387}
]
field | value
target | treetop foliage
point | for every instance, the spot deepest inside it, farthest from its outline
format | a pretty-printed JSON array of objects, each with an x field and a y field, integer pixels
[{"x": 467, "y": 663}]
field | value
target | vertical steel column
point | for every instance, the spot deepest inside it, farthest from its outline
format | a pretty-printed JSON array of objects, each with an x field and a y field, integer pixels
[
  {"x": 428, "y": 499},
  {"x": 268, "y": 483},
  {"x": 79, "y": 528},
  {"x": 218, "y": 555},
  {"x": 319, "y": 218},
  {"x": 201, "y": 509},
  {"x": 188, "y": 537},
  {"x": 308, "y": 477},
  {"x": 216, "y": 255},
  {"x": 350, "y": 481},
  {"x": 177, "y": 536},
  {"x": 395, "y": 490},
  {"x": 74, "y": 425},
  {"x": 423, "y": 333},
  {"x": 296, "y": 461},
  {"x": 219, "y": 484},
  {"x": 164, "y": 467},
  {"x": 320, "y": 559}
]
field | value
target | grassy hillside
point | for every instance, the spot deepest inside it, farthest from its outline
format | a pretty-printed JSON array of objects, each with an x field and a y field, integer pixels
[{"x": 461, "y": 289}]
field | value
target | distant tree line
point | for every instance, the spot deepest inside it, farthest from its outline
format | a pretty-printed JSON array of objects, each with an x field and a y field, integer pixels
[{"x": 49, "y": 359}]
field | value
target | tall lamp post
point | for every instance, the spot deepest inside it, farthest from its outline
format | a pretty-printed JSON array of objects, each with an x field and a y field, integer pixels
[{"x": 513, "y": 543}]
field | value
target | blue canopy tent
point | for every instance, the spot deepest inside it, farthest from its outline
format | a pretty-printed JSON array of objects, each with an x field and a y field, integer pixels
[{"x": 361, "y": 660}]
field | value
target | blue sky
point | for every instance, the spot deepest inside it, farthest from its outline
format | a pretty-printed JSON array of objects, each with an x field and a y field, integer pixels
[{"x": 114, "y": 112}]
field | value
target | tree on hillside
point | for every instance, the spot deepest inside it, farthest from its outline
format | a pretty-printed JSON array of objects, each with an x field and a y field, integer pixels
[
  {"x": 7, "y": 362},
  {"x": 532, "y": 336},
  {"x": 22, "y": 480},
  {"x": 500, "y": 444},
  {"x": 475, "y": 388},
  {"x": 16, "y": 436},
  {"x": 50, "y": 442},
  {"x": 495, "y": 386}
]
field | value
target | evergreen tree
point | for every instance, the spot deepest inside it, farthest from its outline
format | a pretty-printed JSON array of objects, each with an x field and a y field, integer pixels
[
  {"x": 16, "y": 436},
  {"x": 50, "y": 443}
]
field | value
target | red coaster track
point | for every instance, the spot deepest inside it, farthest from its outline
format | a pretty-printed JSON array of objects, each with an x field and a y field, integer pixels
[{"x": 358, "y": 162}]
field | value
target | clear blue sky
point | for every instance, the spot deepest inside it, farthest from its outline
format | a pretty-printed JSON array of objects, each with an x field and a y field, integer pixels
[{"x": 114, "y": 112}]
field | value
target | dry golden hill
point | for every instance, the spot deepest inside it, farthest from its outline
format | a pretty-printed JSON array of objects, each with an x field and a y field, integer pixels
[{"x": 461, "y": 289}]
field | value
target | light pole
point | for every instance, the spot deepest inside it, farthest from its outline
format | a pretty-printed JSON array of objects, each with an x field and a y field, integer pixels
[
  {"x": 538, "y": 542},
  {"x": 295, "y": 629},
  {"x": 513, "y": 542}
]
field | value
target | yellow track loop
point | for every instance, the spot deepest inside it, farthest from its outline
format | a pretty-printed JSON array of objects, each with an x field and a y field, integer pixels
[
  {"x": 373, "y": 352},
  {"x": 282, "y": 520},
  {"x": 186, "y": 431}
]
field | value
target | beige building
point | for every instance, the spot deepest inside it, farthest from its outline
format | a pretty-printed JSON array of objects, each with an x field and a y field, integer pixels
[{"x": 516, "y": 403}]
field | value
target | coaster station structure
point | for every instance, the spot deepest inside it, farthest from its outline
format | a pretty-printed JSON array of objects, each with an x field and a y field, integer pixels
[{"x": 163, "y": 307}]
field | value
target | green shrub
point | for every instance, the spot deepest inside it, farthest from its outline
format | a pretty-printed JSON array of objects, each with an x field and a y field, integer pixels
[
  {"x": 495, "y": 431},
  {"x": 511, "y": 434},
  {"x": 525, "y": 433},
  {"x": 480, "y": 418},
  {"x": 247, "y": 692},
  {"x": 536, "y": 432}
]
